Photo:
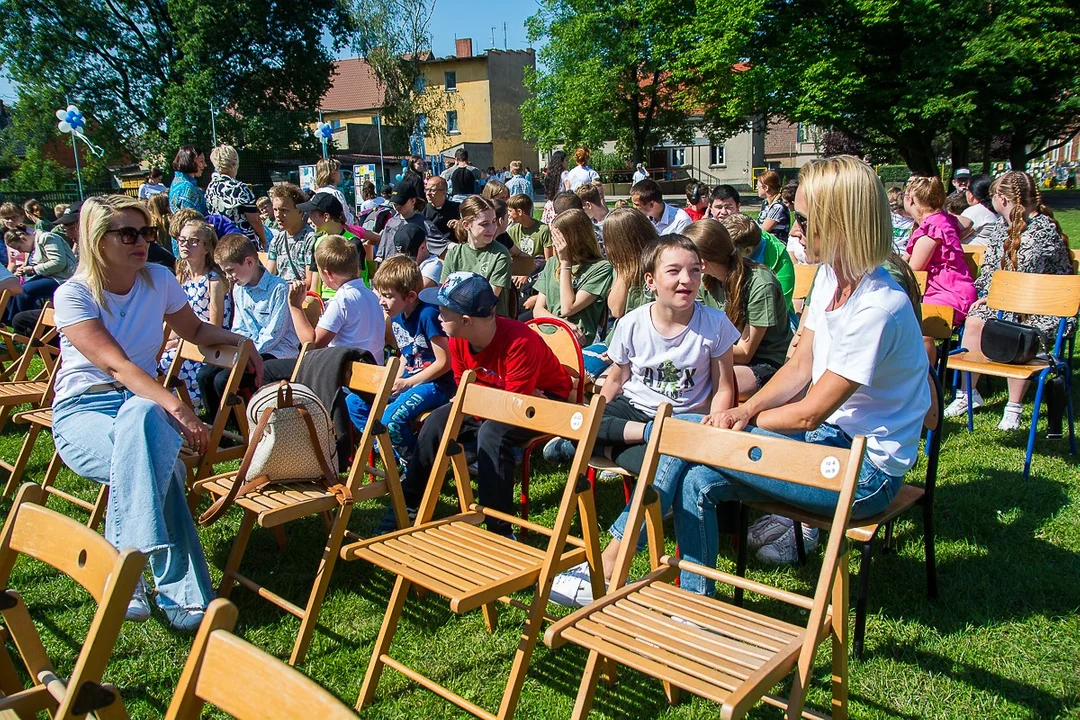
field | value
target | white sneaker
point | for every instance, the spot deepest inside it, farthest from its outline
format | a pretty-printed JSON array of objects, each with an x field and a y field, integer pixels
[
  {"x": 765, "y": 530},
  {"x": 959, "y": 405},
  {"x": 138, "y": 609},
  {"x": 572, "y": 588},
  {"x": 782, "y": 551},
  {"x": 183, "y": 619},
  {"x": 1010, "y": 419}
]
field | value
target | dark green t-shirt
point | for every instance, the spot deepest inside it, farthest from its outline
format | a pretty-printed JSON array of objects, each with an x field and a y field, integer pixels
[
  {"x": 765, "y": 307},
  {"x": 594, "y": 278},
  {"x": 531, "y": 241},
  {"x": 491, "y": 262}
]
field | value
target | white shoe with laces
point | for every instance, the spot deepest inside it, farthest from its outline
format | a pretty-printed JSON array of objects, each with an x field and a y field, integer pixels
[
  {"x": 572, "y": 588},
  {"x": 959, "y": 405},
  {"x": 1010, "y": 419},
  {"x": 138, "y": 609}
]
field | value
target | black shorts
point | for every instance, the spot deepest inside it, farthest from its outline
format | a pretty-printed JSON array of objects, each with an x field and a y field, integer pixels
[{"x": 763, "y": 371}]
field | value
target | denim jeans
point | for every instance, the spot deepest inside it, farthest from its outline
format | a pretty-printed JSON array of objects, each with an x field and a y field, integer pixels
[
  {"x": 595, "y": 365},
  {"x": 133, "y": 445},
  {"x": 400, "y": 412},
  {"x": 699, "y": 488},
  {"x": 34, "y": 292}
]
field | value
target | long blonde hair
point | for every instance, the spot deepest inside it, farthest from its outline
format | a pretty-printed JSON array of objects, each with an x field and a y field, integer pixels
[
  {"x": 849, "y": 226},
  {"x": 324, "y": 170},
  {"x": 160, "y": 216},
  {"x": 94, "y": 219},
  {"x": 206, "y": 233},
  {"x": 577, "y": 229}
]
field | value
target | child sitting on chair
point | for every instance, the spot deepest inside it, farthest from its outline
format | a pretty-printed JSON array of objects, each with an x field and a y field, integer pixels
[{"x": 424, "y": 381}]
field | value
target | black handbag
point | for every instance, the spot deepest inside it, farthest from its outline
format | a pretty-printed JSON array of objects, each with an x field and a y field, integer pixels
[{"x": 1009, "y": 342}]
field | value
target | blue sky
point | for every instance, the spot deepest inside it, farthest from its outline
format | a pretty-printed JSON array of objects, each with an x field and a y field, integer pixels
[{"x": 463, "y": 18}]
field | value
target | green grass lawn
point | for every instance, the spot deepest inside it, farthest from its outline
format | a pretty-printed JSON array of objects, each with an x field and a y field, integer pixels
[{"x": 1002, "y": 640}]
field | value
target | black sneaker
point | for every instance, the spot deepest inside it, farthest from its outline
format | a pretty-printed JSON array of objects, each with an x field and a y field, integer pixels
[{"x": 389, "y": 521}]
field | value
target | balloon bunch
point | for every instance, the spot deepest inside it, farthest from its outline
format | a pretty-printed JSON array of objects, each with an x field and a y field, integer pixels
[
  {"x": 72, "y": 121},
  {"x": 324, "y": 132}
]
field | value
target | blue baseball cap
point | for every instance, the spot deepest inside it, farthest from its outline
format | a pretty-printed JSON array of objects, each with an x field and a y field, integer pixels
[{"x": 465, "y": 293}]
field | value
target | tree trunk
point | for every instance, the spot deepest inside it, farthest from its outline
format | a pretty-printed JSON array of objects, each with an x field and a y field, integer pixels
[
  {"x": 987, "y": 142},
  {"x": 1018, "y": 151},
  {"x": 918, "y": 153},
  {"x": 961, "y": 150}
]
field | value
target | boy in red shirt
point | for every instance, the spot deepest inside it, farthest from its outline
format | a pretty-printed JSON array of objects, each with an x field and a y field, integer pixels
[{"x": 505, "y": 354}]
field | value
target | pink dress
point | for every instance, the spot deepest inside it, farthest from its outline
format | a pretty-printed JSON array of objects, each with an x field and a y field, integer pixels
[{"x": 948, "y": 280}]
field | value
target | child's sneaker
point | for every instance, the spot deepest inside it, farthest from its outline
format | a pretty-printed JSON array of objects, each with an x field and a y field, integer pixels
[
  {"x": 959, "y": 405},
  {"x": 782, "y": 551},
  {"x": 572, "y": 588},
  {"x": 765, "y": 530},
  {"x": 558, "y": 450},
  {"x": 1010, "y": 419}
]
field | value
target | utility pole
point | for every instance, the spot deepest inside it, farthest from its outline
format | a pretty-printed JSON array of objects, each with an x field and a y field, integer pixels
[
  {"x": 213, "y": 124},
  {"x": 492, "y": 36},
  {"x": 504, "y": 36},
  {"x": 379, "y": 175}
]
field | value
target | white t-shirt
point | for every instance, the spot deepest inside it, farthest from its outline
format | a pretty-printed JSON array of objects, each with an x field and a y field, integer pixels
[
  {"x": 134, "y": 320},
  {"x": 581, "y": 175},
  {"x": 431, "y": 268},
  {"x": 675, "y": 369},
  {"x": 982, "y": 223},
  {"x": 371, "y": 204},
  {"x": 674, "y": 220},
  {"x": 874, "y": 339},
  {"x": 357, "y": 319}
]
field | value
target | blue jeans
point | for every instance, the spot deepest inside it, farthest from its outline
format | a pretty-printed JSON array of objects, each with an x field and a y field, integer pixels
[
  {"x": 400, "y": 412},
  {"x": 133, "y": 445},
  {"x": 594, "y": 364},
  {"x": 695, "y": 490},
  {"x": 34, "y": 291}
]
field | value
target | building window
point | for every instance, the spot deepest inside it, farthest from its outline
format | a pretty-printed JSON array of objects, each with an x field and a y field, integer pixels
[
  {"x": 717, "y": 155},
  {"x": 801, "y": 135},
  {"x": 421, "y": 84},
  {"x": 335, "y": 124},
  {"x": 451, "y": 122},
  {"x": 676, "y": 157},
  {"x": 450, "y": 81}
]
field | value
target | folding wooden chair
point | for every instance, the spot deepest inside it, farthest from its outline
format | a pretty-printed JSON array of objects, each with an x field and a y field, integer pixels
[
  {"x": 523, "y": 265},
  {"x": 558, "y": 336},
  {"x": 705, "y": 645},
  {"x": 937, "y": 323},
  {"x": 109, "y": 576},
  {"x": 804, "y": 280},
  {"x": 22, "y": 388},
  {"x": 865, "y": 531},
  {"x": 921, "y": 278},
  {"x": 273, "y": 505},
  {"x": 243, "y": 681},
  {"x": 37, "y": 419},
  {"x": 473, "y": 567},
  {"x": 8, "y": 352},
  {"x": 973, "y": 254},
  {"x": 227, "y": 357},
  {"x": 1029, "y": 294}
]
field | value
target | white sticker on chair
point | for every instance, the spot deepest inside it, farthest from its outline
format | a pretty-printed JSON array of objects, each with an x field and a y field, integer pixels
[
  {"x": 830, "y": 467},
  {"x": 576, "y": 420}
]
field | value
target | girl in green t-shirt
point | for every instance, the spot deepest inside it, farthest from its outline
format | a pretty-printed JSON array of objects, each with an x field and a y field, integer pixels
[
  {"x": 476, "y": 252},
  {"x": 751, "y": 296},
  {"x": 575, "y": 283}
]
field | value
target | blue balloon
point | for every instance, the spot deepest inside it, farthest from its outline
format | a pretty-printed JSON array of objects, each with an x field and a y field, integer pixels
[
  {"x": 404, "y": 163},
  {"x": 398, "y": 177}
]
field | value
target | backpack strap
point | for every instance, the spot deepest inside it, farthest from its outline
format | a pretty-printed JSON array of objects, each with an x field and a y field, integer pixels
[
  {"x": 240, "y": 484},
  {"x": 329, "y": 478}
]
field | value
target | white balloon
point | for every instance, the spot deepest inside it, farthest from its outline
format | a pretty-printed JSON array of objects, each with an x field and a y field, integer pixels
[
  {"x": 72, "y": 108},
  {"x": 64, "y": 126},
  {"x": 61, "y": 114}
]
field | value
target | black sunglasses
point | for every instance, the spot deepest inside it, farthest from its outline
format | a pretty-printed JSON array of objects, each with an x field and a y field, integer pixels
[
  {"x": 801, "y": 219},
  {"x": 129, "y": 235}
]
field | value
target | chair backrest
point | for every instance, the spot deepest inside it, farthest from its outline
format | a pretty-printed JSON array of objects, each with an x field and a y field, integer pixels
[
  {"x": 86, "y": 557},
  {"x": 804, "y": 280},
  {"x": 920, "y": 279},
  {"x": 937, "y": 321},
  {"x": 1034, "y": 294},
  {"x": 39, "y": 345},
  {"x": 558, "y": 336},
  {"x": 264, "y": 259},
  {"x": 313, "y": 308},
  {"x": 243, "y": 681},
  {"x": 523, "y": 265},
  {"x": 1075, "y": 255}
]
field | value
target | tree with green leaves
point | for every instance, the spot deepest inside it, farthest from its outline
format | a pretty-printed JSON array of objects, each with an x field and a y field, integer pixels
[
  {"x": 605, "y": 74},
  {"x": 148, "y": 71}
]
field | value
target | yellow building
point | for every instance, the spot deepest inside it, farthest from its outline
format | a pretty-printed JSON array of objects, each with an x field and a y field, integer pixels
[{"x": 478, "y": 104}]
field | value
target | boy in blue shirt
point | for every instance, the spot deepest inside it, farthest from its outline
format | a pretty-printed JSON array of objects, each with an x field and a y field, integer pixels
[
  {"x": 424, "y": 381},
  {"x": 260, "y": 312}
]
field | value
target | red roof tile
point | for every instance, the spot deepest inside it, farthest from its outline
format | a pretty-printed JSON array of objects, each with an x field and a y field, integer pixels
[{"x": 355, "y": 87}]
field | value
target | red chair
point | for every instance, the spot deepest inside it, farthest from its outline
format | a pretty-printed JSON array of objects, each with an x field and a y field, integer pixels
[{"x": 560, "y": 337}]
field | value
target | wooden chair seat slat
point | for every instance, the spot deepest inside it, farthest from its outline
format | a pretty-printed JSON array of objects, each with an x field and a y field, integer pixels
[
  {"x": 962, "y": 363},
  {"x": 42, "y": 417}
]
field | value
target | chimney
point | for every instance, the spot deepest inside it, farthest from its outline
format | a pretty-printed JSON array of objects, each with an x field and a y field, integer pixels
[{"x": 463, "y": 47}]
